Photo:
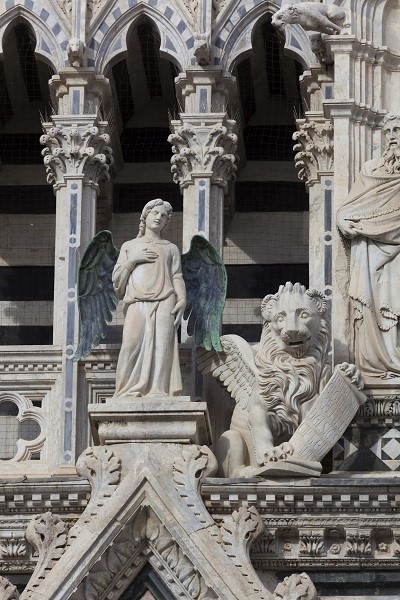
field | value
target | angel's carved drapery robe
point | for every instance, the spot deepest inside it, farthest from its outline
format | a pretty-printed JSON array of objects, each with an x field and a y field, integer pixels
[
  {"x": 148, "y": 362},
  {"x": 374, "y": 206}
]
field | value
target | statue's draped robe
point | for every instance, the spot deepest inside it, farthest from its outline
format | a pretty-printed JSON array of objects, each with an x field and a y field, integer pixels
[
  {"x": 148, "y": 362},
  {"x": 374, "y": 206}
]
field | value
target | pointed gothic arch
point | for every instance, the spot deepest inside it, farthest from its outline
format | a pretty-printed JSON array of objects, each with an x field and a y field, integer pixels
[
  {"x": 51, "y": 33},
  {"x": 230, "y": 43},
  {"x": 110, "y": 40}
]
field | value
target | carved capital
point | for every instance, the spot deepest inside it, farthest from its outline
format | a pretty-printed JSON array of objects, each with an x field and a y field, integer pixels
[
  {"x": 8, "y": 591},
  {"x": 48, "y": 535},
  {"x": 80, "y": 150},
  {"x": 314, "y": 149},
  {"x": 206, "y": 150},
  {"x": 296, "y": 587}
]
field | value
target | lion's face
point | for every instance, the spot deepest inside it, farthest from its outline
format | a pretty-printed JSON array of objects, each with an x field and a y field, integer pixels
[{"x": 294, "y": 317}]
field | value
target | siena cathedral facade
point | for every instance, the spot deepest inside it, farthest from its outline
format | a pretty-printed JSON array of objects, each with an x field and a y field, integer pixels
[{"x": 271, "y": 129}]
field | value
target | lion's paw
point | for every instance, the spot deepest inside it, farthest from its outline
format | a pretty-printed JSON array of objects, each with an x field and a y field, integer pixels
[
  {"x": 353, "y": 374},
  {"x": 278, "y": 453}
]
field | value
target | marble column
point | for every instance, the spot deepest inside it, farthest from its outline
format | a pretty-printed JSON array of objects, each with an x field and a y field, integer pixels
[
  {"x": 77, "y": 156},
  {"x": 204, "y": 144}
]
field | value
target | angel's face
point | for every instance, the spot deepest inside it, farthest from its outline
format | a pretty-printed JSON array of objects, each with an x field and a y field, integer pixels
[{"x": 157, "y": 218}]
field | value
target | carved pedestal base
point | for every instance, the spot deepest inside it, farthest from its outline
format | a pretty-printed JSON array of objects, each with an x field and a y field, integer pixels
[{"x": 171, "y": 419}]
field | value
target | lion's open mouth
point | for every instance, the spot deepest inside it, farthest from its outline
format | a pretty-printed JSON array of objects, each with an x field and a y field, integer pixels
[{"x": 299, "y": 342}]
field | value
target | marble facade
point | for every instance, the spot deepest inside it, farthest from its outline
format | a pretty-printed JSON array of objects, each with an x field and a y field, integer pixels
[{"x": 108, "y": 500}]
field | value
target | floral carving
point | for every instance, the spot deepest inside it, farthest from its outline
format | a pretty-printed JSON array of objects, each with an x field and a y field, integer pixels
[
  {"x": 93, "y": 7},
  {"x": 81, "y": 150},
  {"x": 170, "y": 557},
  {"x": 314, "y": 149},
  {"x": 66, "y": 6},
  {"x": 358, "y": 543},
  {"x": 239, "y": 531},
  {"x": 266, "y": 545},
  {"x": 296, "y": 587},
  {"x": 126, "y": 549},
  {"x": 48, "y": 535},
  {"x": 194, "y": 463},
  {"x": 311, "y": 543},
  {"x": 204, "y": 149},
  {"x": 12, "y": 548},
  {"x": 8, "y": 591}
]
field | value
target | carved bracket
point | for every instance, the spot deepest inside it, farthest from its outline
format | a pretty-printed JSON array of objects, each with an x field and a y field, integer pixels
[
  {"x": 205, "y": 150},
  {"x": 79, "y": 150},
  {"x": 314, "y": 149}
]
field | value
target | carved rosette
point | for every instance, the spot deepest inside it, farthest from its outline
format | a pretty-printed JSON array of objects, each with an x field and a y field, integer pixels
[
  {"x": 204, "y": 150},
  {"x": 8, "y": 591},
  {"x": 314, "y": 149},
  {"x": 81, "y": 150}
]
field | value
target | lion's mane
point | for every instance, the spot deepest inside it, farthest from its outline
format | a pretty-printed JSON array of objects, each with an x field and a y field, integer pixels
[{"x": 287, "y": 382}]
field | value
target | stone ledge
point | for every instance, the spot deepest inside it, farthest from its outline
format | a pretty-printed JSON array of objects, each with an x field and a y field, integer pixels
[{"x": 173, "y": 419}]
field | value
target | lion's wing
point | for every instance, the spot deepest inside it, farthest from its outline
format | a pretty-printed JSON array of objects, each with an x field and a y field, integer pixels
[{"x": 234, "y": 367}]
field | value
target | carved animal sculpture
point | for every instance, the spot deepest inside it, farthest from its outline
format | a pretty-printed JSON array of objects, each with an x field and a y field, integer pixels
[
  {"x": 76, "y": 49},
  {"x": 274, "y": 383},
  {"x": 312, "y": 16}
]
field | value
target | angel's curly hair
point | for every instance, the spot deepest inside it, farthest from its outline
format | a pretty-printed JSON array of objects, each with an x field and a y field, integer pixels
[{"x": 147, "y": 208}]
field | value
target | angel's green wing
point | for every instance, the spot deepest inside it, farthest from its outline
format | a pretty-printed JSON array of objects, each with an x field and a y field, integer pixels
[
  {"x": 205, "y": 278},
  {"x": 97, "y": 299}
]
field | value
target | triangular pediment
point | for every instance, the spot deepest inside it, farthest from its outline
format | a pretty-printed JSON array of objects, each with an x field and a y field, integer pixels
[{"x": 146, "y": 512}]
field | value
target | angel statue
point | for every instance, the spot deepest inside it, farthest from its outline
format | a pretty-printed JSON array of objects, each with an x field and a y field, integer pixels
[{"x": 158, "y": 287}]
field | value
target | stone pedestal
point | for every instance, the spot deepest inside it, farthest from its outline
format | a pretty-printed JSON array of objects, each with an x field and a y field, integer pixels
[
  {"x": 372, "y": 441},
  {"x": 170, "y": 419}
]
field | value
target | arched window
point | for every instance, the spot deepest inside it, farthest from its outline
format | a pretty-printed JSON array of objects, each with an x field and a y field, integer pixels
[
  {"x": 27, "y": 203},
  {"x": 267, "y": 243}
]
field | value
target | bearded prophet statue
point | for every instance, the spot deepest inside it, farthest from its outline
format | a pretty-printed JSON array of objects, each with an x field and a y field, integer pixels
[
  {"x": 147, "y": 275},
  {"x": 369, "y": 221}
]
